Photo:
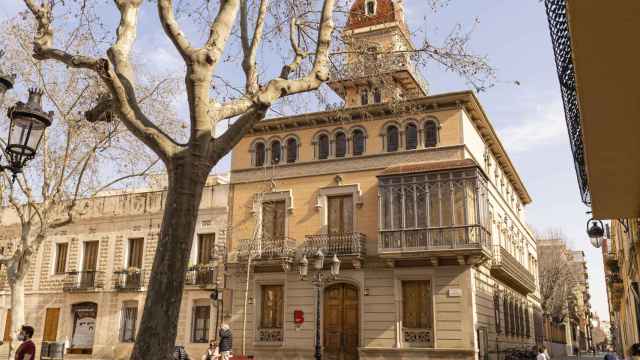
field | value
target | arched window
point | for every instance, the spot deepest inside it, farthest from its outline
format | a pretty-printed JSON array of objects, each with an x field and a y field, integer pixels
[
  {"x": 392, "y": 138},
  {"x": 260, "y": 154},
  {"x": 411, "y": 136},
  {"x": 430, "y": 134},
  {"x": 364, "y": 96},
  {"x": 276, "y": 152},
  {"x": 377, "y": 96},
  {"x": 323, "y": 146},
  {"x": 341, "y": 144},
  {"x": 370, "y": 7},
  {"x": 292, "y": 150},
  {"x": 358, "y": 142}
]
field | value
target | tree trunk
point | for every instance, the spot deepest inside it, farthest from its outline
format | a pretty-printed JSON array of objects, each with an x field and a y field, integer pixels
[
  {"x": 158, "y": 327},
  {"x": 17, "y": 311}
]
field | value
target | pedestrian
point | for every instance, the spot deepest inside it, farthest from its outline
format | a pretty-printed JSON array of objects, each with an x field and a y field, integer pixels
[
  {"x": 610, "y": 355},
  {"x": 27, "y": 349},
  {"x": 546, "y": 353},
  {"x": 213, "y": 352},
  {"x": 180, "y": 353},
  {"x": 635, "y": 351},
  {"x": 226, "y": 340},
  {"x": 541, "y": 355}
]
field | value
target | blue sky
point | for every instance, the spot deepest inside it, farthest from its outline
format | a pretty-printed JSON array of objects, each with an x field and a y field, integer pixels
[{"x": 529, "y": 118}]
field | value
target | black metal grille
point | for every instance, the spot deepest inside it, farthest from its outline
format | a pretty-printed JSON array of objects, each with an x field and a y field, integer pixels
[{"x": 561, "y": 41}]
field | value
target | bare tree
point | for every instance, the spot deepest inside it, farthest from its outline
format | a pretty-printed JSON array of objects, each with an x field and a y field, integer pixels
[
  {"x": 556, "y": 277},
  {"x": 307, "y": 26},
  {"x": 70, "y": 169}
]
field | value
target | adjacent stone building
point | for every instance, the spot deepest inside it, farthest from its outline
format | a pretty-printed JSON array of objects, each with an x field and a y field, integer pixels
[
  {"x": 413, "y": 193},
  {"x": 86, "y": 288}
]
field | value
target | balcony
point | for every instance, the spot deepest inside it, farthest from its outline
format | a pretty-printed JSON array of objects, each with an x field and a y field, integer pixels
[
  {"x": 201, "y": 275},
  {"x": 611, "y": 261},
  {"x": 467, "y": 244},
  {"x": 128, "y": 280},
  {"x": 86, "y": 280},
  {"x": 345, "y": 245},
  {"x": 268, "y": 251},
  {"x": 508, "y": 269},
  {"x": 400, "y": 66}
]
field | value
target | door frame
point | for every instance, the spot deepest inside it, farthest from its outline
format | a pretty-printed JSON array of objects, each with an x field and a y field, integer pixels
[{"x": 360, "y": 292}]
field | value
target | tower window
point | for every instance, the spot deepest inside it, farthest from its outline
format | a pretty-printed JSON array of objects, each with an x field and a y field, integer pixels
[
  {"x": 358, "y": 142},
  {"x": 364, "y": 96},
  {"x": 392, "y": 139},
  {"x": 370, "y": 7},
  {"x": 431, "y": 134},
  {"x": 323, "y": 146},
  {"x": 260, "y": 154},
  {"x": 341, "y": 144},
  {"x": 276, "y": 152},
  {"x": 292, "y": 150},
  {"x": 377, "y": 96},
  {"x": 411, "y": 137}
]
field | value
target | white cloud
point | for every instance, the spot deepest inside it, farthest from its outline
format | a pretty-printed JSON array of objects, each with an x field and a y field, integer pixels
[{"x": 545, "y": 126}]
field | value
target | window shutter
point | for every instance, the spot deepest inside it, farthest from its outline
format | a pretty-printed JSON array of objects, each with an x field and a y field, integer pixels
[
  {"x": 411, "y": 135},
  {"x": 392, "y": 139},
  {"x": 341, "y": 145}
]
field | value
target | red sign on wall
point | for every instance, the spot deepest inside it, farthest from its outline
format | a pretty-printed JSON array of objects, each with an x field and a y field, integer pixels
[{"x": 298, "y": 317}]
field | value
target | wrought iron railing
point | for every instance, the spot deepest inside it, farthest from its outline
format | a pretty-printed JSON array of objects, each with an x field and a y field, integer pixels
[
  {"x": 52, "y": 350},
  {"x": 341, "y": 244},
  {"x": 267, "y": 248},
  {"x": 128, "y": 280},
  {"x": 201, "y": 275},
  {"x": 441, "y": 238},
  {"x": 270, "y": 335},
  {"x": 508, "y": 266},
  {"x": 561, "y": 41},
  {"x": 418, "y": 337},
  {"x": 81, "y": 280},
  {"x": 377, "y": 64}
]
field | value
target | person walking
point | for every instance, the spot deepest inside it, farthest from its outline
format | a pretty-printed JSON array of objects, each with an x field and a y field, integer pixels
[
  {"x": 541, "y": 355},
  {"x": 27, "y": 349},
  {"x": 226, "y": 341},
  {"x": 179, "y": 353},
  {"x": 212, "y": 351}
]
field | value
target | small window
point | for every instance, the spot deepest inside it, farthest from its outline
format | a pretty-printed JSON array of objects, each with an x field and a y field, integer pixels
[
  {"x": 272, "y": 307},
  {"x": 128, "y": 322},
  {"x": 61, "y": 258},
  {"x": 206, "y": 248},
  {"x": 364, "y": 96},
  {"x": 370, "y": 8},
  {"x": 377, "y": 96},
  {"x": 392, "y": 138},
  {"x": 358, "y": 142},
  {"x": 134, "y": 259},
  {"x": 292, "y": 150},
  {"x": 200, "y": 324},
  {"x": 430, "y": 134},
  {"x": 323, "y": 146},
  {"x": 276, "y": 152},
  {"x": 341, "y": 144},
  {"x": 411, "y": 137},
  {"x": 260, "y": 154}
]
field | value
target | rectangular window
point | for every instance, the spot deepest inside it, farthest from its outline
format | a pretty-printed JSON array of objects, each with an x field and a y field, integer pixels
[
  {"x": 135, "y": 253},
  {"x": 128, "y": 322},
  {"x": 90, "y": 256},
  {"x": 206, "y": 248},
  {"x": 273, "y": 220},
  {"x": 272, "y": 307},
  {"x": 200, "y": 324},
  {"x": 417, "y": 309},
  {"x": 340, "y": 214},
  {"x": 496, "y": 311},
  {"x": 61, "y": 258}
]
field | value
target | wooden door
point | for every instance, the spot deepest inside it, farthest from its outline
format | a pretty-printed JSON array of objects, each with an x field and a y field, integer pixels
[
  {"x": 273, "y": 220},
  {"x": 340, "y": 215},
  {"x": 206, "y": 243},
  {"x": 7, "y": 327},
  {"x": 50, "y": 332},
  {"x": 341, "y": 322}
]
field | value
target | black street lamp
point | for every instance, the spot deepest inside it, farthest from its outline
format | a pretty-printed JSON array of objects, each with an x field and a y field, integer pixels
[
  {"x": 320, "y": 277},
  {"x": 595, "y": 230}
]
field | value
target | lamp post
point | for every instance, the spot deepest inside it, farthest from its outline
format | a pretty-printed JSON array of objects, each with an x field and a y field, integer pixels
[
  {"x": 319, "y": 278},
  {"x": 595, "y": 230}
]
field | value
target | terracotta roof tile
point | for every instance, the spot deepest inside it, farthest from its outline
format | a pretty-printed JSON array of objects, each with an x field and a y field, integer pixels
[{"x": 428, "y": 166}]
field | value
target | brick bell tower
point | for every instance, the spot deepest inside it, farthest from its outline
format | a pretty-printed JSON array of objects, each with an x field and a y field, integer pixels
[{"x": 378, "y": 65}]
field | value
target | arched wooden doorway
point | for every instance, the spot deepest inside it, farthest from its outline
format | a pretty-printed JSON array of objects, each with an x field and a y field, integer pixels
[{"x": 341, "y": 322}]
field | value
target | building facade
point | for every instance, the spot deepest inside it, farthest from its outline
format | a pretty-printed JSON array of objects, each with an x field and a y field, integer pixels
[
  {"x": 86, "y": 287},
  {"x": 621, "y": 260},
  {"x": 414, "y": 195}
]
